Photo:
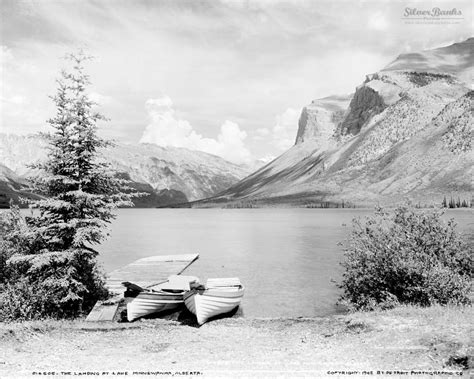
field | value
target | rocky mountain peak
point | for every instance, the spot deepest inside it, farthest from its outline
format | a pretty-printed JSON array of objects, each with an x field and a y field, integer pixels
[
  {"x": 408, "y": 130},
  {"x": 319, "y": 120},
  {"x": 326, "y": 120},
  {"x": 365, "y": 104}
]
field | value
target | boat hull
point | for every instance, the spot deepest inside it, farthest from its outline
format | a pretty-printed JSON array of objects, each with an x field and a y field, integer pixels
[
  {"x": 208, "y": 303},
  {"x": 146, "y": 303}
]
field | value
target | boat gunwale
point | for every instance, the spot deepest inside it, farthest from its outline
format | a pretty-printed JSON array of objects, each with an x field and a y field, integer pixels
[
  {"x": 158, "y": 295},
  {"x": 229, "y": 292}
]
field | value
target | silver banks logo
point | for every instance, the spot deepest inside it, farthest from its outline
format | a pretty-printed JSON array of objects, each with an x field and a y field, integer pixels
[
  {"x": 433, "y": 12},
  {"x": 433, "y": 16}
]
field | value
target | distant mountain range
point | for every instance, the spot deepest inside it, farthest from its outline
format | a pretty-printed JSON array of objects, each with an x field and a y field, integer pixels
[
  {"x": 406, "y": 132},
  {"x": 169, "y": 175}
]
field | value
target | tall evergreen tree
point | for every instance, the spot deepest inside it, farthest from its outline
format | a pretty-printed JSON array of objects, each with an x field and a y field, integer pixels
[
  {"x": 81, "y": 189},
  {"x": 57, "y": 260}
]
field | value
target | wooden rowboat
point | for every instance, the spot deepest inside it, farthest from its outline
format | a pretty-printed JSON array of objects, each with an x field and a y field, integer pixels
[
  {"x": 148, "y": 302},
  {"x": 219, "y": 296},
  {"x": 167, "y": 296}
]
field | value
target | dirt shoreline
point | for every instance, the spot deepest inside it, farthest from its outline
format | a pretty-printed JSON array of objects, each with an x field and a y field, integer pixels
[{"x": 426, "y": 341}]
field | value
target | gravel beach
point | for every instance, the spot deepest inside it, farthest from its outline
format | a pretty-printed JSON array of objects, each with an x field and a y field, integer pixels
[{"x": 405, "y": 341}]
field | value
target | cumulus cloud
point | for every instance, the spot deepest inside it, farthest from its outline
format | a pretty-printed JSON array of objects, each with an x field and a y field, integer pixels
[
  {"x": 286, "y": 126},
  {"x": 283, "y": 133},
  {"x": 164, "y": 102},
  {"x": 167, "y": 129}
]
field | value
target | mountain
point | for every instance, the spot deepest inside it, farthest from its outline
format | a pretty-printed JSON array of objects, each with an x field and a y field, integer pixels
[
  {"x": 12, "y": 187},
  {"x": 168, "y": 174},
  {"x": 406, "y": 132},
  {"x": 319, "y": 119},
  {"x": 456, "y": 59}
]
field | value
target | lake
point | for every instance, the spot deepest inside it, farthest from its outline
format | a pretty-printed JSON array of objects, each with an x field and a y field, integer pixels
[{"x": 288, "y": 259}]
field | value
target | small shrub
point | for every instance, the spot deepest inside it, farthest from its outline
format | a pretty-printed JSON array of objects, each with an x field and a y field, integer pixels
[
  {"x": 462, "y": 361},
  {"x": 19, "y": 301},
  {"x": 12, "y": 238},
  {"x": 408, "y": 256},
  {"x": 62, "y": 284}
]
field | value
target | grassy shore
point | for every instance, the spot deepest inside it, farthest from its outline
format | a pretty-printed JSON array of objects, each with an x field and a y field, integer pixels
[{"x": 401, "y": 339}]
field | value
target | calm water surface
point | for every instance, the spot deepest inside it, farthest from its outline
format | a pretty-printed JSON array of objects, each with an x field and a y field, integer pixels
[{"x": 286, "y": 258}]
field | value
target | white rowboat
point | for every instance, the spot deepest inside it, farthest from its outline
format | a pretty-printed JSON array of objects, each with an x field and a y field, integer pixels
[
  {"x": 148, "y": 302},
  {"x": 167, "y": 296},
  {"x": 220, "y": 295}
]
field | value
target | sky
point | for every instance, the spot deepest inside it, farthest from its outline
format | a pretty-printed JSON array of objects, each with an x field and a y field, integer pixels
[{"x": 225, "y": 77}]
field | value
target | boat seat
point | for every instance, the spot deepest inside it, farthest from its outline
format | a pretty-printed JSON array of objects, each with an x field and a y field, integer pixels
[
  {"x": 178, "y": 282},
  {"x": 223, "y": 282}
]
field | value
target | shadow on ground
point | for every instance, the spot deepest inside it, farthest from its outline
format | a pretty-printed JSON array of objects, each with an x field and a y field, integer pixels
[{"x": 184, "y": 316}]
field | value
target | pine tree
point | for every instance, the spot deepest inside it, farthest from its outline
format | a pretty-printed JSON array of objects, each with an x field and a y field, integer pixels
[
  {"x": 80, "y": 193},
  {"x": 452, "y": 203},
  {"x": 444, "y": 204}
]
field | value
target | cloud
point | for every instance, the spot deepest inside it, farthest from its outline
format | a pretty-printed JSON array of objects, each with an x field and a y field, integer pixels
[
  {"x": 282, "y": 135},
  {"x": 260, "y": 134},
  {"x": 167, "y": 129},
  {"x": 100, "y": 99},
  {"x": 377, "y": 21},
  {"x": 16, "y": 109},
  {"x": 244, "y": 61},
  {"x": 6, "y": 56},
  {"x": 164, "y": 102},
  {"x": 284, "y": 131}
]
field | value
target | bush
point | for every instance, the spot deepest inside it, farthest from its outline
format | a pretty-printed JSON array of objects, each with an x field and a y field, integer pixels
[
  {"x": 12, "y": 226},
  {"x": 20, "y": 301},
  {"x": 50, "y": 285},
  {"x": 408, "y": 256}
]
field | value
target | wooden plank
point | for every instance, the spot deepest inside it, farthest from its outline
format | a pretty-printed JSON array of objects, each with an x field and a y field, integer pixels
[
  {"x": 104, "y": 310},
  {"x": 150, "y": 271}
]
